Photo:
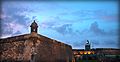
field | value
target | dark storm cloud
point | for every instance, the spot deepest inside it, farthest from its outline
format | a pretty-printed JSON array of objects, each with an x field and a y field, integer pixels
[
  {"x": 14, "y": 14},
  {"x": 64, "y": 29},
  {"x": 96, "y": 30},
  {"x": 11, "y": 16}
]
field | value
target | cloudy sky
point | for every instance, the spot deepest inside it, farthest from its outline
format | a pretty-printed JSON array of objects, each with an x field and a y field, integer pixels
[{"x": 71, "y": 22}]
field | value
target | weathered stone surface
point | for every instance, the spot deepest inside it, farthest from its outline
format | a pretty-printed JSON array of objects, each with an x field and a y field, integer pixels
[{"x": 34, "y": 47}]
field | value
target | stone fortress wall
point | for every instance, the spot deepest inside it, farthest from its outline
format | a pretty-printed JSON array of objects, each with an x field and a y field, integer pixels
[{"x": 34, "y": 48}]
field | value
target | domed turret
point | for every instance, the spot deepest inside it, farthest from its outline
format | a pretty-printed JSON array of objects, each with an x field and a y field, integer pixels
[
  {"x": 34, "y": 27},
  {"x": 87, "y": 45}
]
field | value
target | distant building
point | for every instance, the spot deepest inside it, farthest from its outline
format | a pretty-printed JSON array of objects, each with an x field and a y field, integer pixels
[
  {"x": 34, "y": 47},
  {"x": 96, "y": 54}
]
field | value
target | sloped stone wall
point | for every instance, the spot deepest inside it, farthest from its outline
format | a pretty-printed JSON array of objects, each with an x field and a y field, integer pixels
[{"x": 34, "y": 49}]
